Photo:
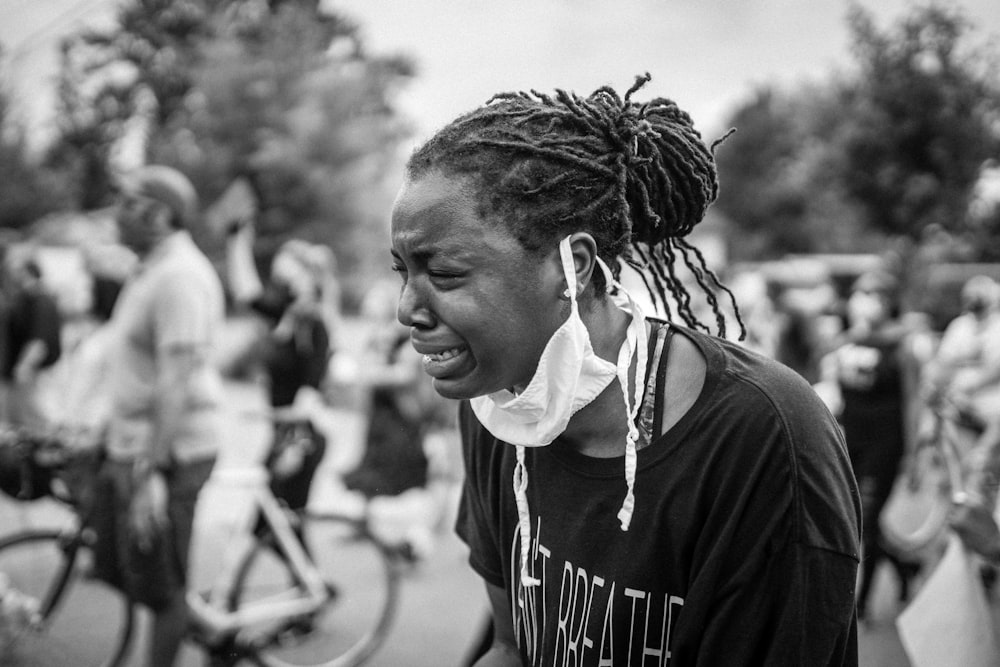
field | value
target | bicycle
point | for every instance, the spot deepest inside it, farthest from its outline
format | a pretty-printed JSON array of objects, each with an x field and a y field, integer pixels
[
  {"x": 47, "y": 594},
  {"x": 931, "y": 493},
  {"x": 306, "y": 588}
]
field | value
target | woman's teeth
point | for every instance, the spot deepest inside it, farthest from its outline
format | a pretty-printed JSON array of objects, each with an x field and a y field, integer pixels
[{"x": 443, "y": 356}]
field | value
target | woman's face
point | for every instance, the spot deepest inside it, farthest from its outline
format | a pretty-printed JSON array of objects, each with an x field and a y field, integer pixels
[{"x": 479, "y": 306}]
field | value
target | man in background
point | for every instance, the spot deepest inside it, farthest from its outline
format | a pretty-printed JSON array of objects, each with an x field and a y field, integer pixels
[{"x": 165, "y": 394}]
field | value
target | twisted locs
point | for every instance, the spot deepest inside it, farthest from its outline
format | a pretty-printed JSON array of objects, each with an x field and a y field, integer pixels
[{"x": 637, "y": 176}]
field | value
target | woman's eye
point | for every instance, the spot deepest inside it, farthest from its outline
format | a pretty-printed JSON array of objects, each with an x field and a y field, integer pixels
[{"x": 444, "y": 276}]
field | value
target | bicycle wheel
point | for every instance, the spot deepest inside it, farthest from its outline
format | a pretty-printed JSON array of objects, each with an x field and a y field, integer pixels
[
  {"x": 80, "y": 621},
  {"x": 362, "y": 577}
]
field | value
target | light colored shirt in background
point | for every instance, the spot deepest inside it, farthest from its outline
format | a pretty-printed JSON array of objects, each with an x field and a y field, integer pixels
[{"x": 175, "y": 299}]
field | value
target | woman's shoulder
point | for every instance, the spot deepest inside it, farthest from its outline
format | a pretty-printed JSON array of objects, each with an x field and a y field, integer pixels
[
  {"x": 766, "y": 417},
  {"x": 730, "y": 361},
  {"x": 743, "y": 383}
]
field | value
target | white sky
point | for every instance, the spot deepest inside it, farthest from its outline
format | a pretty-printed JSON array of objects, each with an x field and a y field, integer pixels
[{"x": 705, "y": 54}]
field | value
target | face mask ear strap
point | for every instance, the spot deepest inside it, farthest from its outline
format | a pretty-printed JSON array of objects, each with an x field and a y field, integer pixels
[
  {"x": 569, "y": 268},
  {"x": 609, "y": 279}
]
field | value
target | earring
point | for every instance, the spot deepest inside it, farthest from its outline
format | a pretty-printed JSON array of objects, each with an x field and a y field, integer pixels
[{"x": 566, "y": 293}]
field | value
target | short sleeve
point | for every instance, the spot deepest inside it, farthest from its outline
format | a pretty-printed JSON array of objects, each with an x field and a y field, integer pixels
[{"x": 991, "y": 351}]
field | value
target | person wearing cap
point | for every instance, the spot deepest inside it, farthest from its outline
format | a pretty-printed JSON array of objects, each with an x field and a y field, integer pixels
[
  {"x": 165, "y": 394},
  {"x": 867, "y": 363},
  {"x": 638, "y": 491}
]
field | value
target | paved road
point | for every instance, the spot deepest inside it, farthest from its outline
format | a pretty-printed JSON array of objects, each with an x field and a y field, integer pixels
[{"x": 443, "y": 602}]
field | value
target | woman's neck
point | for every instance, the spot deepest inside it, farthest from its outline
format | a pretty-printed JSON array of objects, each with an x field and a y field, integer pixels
[{"x": 599, "y": 428}]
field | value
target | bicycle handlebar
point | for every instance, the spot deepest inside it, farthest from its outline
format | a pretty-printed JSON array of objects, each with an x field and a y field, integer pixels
[{"x": 30, "y": 459}]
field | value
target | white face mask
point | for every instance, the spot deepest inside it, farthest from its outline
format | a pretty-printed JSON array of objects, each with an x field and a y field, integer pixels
[{"x": 568, "y": 377}]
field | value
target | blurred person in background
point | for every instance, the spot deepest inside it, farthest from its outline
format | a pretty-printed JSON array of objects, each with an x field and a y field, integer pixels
[
  {"x": 165, "y": 395},
  {"x": 812, "y": 316},
  {"x": 33, "y": 337},
  {"x": 764, "y": 323},
  {"x": 400, "y": 410},
  {"x": 867, "y": 366},
  {"x": 409, "y": 465},
  {"x": 966, "y": 363},
  {"x": 300, "y": 306},
  {"x": 965, "y": 368},
  {"x": 636, "y": 490},
  {"x": 109, "y": 266},
  {"x": 83, "y": 405}
]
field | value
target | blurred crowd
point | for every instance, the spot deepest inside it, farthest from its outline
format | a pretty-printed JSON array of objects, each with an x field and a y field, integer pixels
[
  {"x": 286, "y": 335},
  {"x": 885, "y": 374},
  {"x": 879, "y": 370}
]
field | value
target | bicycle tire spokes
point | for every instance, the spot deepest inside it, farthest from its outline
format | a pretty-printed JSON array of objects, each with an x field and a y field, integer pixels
[
  {"x": 361, "y": 580},
  {"x": 87, "y": 624}
]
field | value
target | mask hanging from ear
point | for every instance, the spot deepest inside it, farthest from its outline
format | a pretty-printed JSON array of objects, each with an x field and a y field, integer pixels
[{"x": 569, "y": 376}]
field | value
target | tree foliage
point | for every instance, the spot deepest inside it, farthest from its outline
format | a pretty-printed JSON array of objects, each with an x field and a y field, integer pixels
[
  {"x": 142, "y": 65},
  {"x": 277, "y": 92},
  {"x": 27, "y": 192},
  {"x": 893, "y": 148},
  {"x": 778, "y": 175},
  {"x": 923, "y": 120}
]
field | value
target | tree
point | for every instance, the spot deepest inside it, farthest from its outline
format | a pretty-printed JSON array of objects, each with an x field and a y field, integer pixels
[
  {"x": 893, "y": 148},
  {"x": 26, "y": 191},
  {"x": 778, "y": 177},
  {"x": 921, "y": 120},
  {"x": 290, "y": 99},
  {"x": 278, "y": 92},
  {"x": 107, "y": 77}
]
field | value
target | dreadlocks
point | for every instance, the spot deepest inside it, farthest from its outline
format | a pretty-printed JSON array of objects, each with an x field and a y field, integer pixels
[{"x": 636, "y": 176}]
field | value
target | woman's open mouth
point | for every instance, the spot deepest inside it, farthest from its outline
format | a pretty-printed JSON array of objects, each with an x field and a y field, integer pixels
[{"x": 444, "y": 363}]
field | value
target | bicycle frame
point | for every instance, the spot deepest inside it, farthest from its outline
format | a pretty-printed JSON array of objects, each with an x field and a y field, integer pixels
[
  {"x": 217, "y": 622},
  {"x": 949, "y": 439}
]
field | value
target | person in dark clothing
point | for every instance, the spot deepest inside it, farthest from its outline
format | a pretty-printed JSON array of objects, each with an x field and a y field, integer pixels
[
  {"x": 868, "y": 366},
  {"x": 637, "y": 491},
  {"x": 32, "y": 340},
  {"x": 299, "y": 307},
  {"x": 398, "y": 413}
]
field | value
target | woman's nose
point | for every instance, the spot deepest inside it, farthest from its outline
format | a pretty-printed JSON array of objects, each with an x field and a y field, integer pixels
[{"x": 412, "y": 310}]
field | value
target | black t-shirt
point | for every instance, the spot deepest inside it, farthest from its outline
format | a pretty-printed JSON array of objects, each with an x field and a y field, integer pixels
[
  {"x": 871, "y": 383},
  {"x": 298, "y": 358},
  {"x": 743, "y": 547}
]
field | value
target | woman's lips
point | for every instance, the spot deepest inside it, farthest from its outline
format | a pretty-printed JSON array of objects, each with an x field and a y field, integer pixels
[{"x": 444, "y": 363}]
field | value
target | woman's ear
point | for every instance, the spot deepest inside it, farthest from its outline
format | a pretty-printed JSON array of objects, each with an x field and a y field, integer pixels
[{"x": 584, "y": 250}]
